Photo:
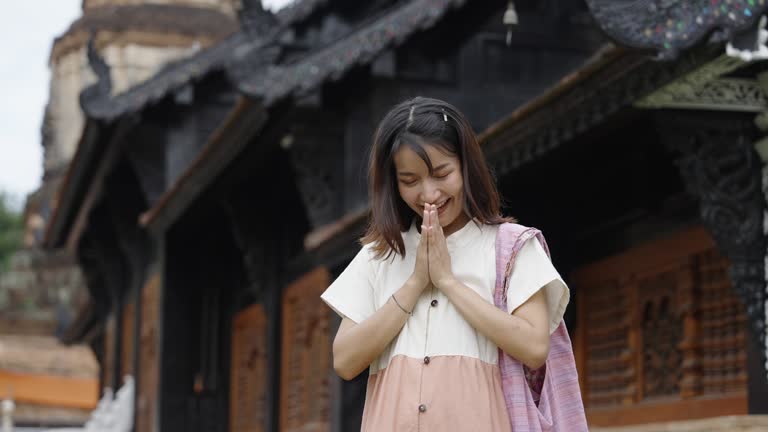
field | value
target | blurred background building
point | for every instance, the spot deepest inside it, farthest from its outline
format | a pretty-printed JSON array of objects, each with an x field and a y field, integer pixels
[
  {"x": 204, "y": 183},
  {"x": 43, "y": 291}
]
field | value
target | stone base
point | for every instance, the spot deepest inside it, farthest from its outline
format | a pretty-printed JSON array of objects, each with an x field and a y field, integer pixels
[{"x": 748, "y": 423}]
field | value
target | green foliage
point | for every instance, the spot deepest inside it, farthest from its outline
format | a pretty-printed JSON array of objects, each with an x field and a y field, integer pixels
[{"x": 11, "y": 230}]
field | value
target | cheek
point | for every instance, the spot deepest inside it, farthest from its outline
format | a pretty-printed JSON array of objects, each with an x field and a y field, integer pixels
[
  {"x": 406, "y": 195},
  {"x": 457, "y": 186}
]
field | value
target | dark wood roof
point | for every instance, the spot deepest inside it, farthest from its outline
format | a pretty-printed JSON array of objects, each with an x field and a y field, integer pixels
[
  {"x": 239, "y": 46},
  {"x": 673, "y": 26},
  {"x": 362, "y": 46},
  {"x": 100, "y": 106}
]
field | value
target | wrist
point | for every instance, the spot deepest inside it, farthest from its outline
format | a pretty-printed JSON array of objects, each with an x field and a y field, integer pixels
[
  {"x": 416, "y": 283},
  {"x": 447, "y": 283}
]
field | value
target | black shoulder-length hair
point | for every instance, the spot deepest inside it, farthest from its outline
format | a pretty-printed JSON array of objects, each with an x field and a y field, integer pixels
[{"x": 415, "y": 123}]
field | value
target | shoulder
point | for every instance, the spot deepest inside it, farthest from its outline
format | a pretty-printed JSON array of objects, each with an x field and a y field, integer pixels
[
  {"x": 371, "y": 259},
  {"x": 514, "y": 228},
  {"x": 367, "y": 254}
]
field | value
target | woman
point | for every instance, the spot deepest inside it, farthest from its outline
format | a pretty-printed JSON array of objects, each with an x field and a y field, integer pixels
[{"x": 417, "y": 301}]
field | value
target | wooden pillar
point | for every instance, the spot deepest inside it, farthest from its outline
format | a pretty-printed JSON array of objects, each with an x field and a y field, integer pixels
[
  {"x": 112, "y": 268},
  {"x": 260, "y": 254},
  {"x": 719, "y": 165},
  {"x": 148, "y": 382}
]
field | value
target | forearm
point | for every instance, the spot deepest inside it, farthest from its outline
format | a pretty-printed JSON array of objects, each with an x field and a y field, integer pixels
[
  {"x": 514, "y": 335},
  {"x": 358, "y": 346}
]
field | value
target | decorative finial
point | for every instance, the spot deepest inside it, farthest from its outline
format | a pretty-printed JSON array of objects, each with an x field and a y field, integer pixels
[
  {"x": 510, "y": 20},
  {"x": 99, "y": 67},
  {"x": 254, "y": 19}
]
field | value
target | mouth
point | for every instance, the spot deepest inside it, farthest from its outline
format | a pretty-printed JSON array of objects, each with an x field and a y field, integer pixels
[{"x": 442, "y": 205}]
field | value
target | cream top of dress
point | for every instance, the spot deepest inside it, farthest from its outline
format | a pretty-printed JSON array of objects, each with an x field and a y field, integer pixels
[{"x": 439, "y": 373}]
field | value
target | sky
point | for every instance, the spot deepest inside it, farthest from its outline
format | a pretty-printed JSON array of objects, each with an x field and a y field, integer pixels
[{"x": 27, "y": 30}]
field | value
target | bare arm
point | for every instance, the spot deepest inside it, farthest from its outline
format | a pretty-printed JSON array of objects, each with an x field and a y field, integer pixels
[
  {"x": 524, "y": 334},
  {"x": 357, "y": 345}
]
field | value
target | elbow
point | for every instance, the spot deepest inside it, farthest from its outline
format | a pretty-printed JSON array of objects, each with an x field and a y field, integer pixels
[
  {"x": 343, "y": 364},
  {"x": 343, "y": 370},
  {"x": 537, "y": 355}
]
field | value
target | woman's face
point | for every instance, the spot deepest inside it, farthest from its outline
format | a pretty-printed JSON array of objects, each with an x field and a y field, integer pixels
[{"x": 444, "y": 188}]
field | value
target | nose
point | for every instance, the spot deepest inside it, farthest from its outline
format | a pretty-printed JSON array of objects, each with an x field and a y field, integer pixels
[{"x": 429, "y": 193}]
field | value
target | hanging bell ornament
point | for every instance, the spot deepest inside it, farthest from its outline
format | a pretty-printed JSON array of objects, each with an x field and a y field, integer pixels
[{"x": 510, "y": 20}]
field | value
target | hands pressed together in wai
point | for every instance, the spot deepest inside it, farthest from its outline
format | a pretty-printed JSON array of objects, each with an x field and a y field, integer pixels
[{"x": 433, "y": 262}]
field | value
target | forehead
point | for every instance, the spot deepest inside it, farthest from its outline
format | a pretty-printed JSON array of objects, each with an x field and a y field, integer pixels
[{"x": 407, "y": 159}]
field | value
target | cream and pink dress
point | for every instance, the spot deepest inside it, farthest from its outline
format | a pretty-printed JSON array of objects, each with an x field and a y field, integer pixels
[{"x": 439, "y": 373}]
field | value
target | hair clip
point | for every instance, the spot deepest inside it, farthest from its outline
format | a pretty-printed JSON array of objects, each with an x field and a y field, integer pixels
[
  {"x": 445, "y": 116},
  {"x": 410, "y": 115}
]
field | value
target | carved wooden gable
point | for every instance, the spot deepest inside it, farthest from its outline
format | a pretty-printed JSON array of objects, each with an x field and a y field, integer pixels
[
  {"x": 249, "y": 371},
  {"x": 661, "y": 334},
  {"x": 306, "y": 356}
]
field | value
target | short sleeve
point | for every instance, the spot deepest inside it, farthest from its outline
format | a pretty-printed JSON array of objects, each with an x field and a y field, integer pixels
[
  {"x": 533, "y": 270},
  {"x": 351, "y": 294}
]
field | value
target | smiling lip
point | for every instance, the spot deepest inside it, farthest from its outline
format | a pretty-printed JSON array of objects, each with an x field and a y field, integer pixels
[{"x": 440, "y": 210}]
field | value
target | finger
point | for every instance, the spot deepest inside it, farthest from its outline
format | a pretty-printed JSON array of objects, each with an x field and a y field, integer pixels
[
  {"x": 433, "y": 218},
  {"x": 438, "y": 225}
]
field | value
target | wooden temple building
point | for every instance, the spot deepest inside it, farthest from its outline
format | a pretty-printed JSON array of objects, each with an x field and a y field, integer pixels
[{"x": 210, "y": 205}]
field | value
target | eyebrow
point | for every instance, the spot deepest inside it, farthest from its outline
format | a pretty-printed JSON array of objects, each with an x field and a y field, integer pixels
[{"x": 437, "y": 168}]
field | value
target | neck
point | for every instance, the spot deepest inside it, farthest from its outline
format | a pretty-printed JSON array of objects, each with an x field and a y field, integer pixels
[{"x": 456, "y": 225}]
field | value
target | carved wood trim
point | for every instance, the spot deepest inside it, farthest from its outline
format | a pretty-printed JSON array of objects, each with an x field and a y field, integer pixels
[{"x": 660, "y": 325}]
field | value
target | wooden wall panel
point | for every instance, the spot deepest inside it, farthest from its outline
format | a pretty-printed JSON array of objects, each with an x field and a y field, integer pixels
[
  {"x": 306, "y": 356},
  {"x": 248, "y": 377},
  {"x": 723, "y": 328},
  {"x": 660, "y": 325},
  {"x": 148, "y": 355}
]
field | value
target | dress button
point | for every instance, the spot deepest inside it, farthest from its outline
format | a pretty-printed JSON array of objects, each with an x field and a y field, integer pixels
[
  {"x": 422, "y": 408},
  {"x": 426, "y": 360},
  {"x": 434, "y": 303}
]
